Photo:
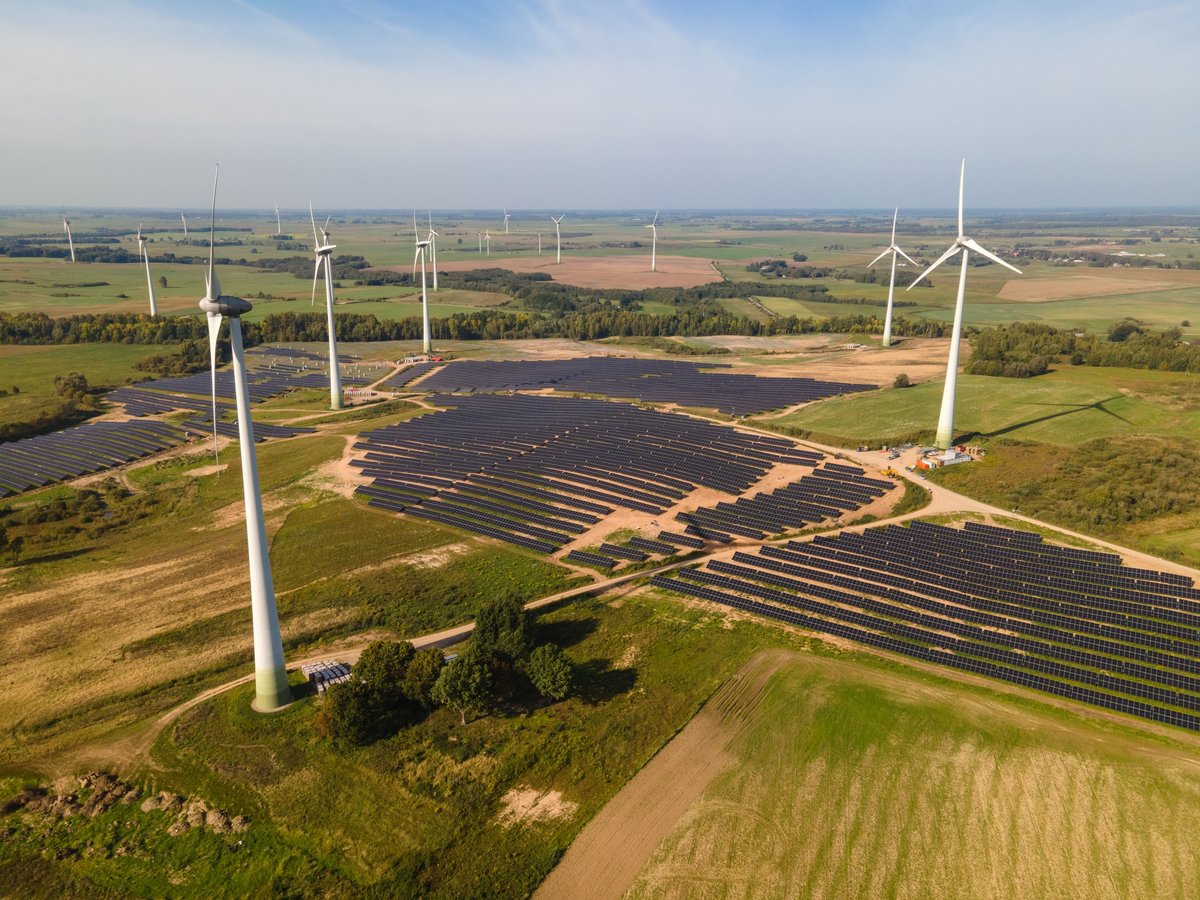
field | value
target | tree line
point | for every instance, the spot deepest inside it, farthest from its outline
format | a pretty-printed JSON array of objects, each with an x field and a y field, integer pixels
[{"x": 1025, "y": 349}]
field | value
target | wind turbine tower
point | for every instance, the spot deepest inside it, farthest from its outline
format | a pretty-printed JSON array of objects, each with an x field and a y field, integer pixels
[
  {"x": 539, "y": 243},
  {"x": 422, "y": 250},
  {"x": 506, "y": 221},
  {"x": 70, "y": 240},
  {"x": 895, "y": 250},
  {"x": 149, "y": 280},
  {"x": 653, "y": 226},
  {"x": 184, "y": 218},
  {"x": 324, "y": 252},
  {"x": 487, "y": 240},
  {"x": 558, "y": 235},
  {"x": 963, "y": 245},
  {"x": 270, "y": 675},
  {"x": 278, "y": 224}
]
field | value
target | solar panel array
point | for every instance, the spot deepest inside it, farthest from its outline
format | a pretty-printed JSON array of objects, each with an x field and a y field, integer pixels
[
  {"x": 653, "y": 380},
  {"x": 37, "y": 461},
  {"x": 413, "y": 372},
  {"x": 827, "y": 493},
  {"x": 538, "y": 471},
  {"x": 1076, "y": 623}
]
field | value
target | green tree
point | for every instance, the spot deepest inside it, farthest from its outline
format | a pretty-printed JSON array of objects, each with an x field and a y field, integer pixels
[
  {"x": 162, "y": 281},
  {"x": 347, "y": 715},
  {"x": 381, "y": 667},
  {"x": 502, "y": 629},
  {"x": 464, "y": 685},
  {"x": 421, "y": 675},
  {"x": 550, "y": 671},
  {"x": 901, "y": 381}
]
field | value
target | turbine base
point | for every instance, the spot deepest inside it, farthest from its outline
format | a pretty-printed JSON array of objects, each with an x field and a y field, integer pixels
[{"x": 271, "y": 690}]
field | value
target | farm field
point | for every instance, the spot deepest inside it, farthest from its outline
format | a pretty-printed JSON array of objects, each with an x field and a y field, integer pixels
[
  {"x": 623, "y": 272},
  {"x": 841, "y": 779}
]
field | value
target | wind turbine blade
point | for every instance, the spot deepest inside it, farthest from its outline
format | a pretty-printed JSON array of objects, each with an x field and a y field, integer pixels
[
  {"x": 906, "y": 256},
  {"x": 325, "y": 227},
  {"x": 970, "y": 242},
  {"x": 879, "y": 257},
  {"x": 214, "y": 333},
  {"x": 316, "y": 272},
  {"x": 312, "y": 218},
  {"x": 656, "y": 217},
  {"x": 416, "y": 256},
  {"x": 962, "y": 174},
  {"x": 214, "y": 286},
  {"x": 954, "y": 248},
  {"x": 895, "y": 216}
]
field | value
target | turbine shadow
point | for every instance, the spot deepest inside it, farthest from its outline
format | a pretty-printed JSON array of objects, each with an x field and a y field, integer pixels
[{"x": 1074, "y": 408}]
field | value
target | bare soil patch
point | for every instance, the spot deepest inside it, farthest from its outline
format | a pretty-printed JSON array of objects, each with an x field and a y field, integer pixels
[
  {"x": 622, "y": 272},
  {"x": 526, "y": 804},
  {"x": 610, "y": 852}
]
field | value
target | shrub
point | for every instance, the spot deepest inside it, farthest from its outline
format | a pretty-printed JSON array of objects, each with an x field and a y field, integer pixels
[
  {"x": 347, "y": 716},
  {"x": 550, "y": 671},
  {"x": 901, "y": 381}
]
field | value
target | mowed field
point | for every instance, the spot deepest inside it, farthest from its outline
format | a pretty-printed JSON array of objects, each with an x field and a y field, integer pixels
[{"x": 837, "y": 779}]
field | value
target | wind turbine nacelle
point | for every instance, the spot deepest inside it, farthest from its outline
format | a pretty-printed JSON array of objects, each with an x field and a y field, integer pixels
[
  {"x": 326, "y": 249},
  {"x": 226, "y": 306}
]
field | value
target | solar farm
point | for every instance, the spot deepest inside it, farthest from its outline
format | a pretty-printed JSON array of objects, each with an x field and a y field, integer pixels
[
  {"x": 993, "y": 601},
  {"x": 705, "y": 385},
  {"x": 539, "y": 471}
]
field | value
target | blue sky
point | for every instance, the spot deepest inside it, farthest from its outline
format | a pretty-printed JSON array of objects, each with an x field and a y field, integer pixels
[{"x": 547, "y": 104}]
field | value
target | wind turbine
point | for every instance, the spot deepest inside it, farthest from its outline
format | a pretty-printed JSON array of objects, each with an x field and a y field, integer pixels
[
  {"x": 278, "y": 224},
  {"x": 324, "y": 252},
  {"x": 422, "y": 250},
  {"x": 653, "y": 226},
  {"x": 270, "y": 675},
  {"x": 149, "y": 280},
  {"x": 893, "y": 249},
  {"x": 506, "y": 221},
  {"x": 558, "y": 234},
  {"x": 487, "y": 239},
  {"x": 480, "y": 235},
  {"x": 70, "y": 240},
  {"x": 182, "y": 216},
  {"x": 962, "y": 244},
  {"x": 539, "y": 243},
  {"x": 433, "y": 236}
]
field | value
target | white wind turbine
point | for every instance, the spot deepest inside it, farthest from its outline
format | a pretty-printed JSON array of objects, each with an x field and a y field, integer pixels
[
  {"x": 270, "y": 674},
  {"x": 433, "y": 236},
  {"x": 479, "y": 234},
  {"x": 539, "y": 243},
  {"x": 487, "y": 240},
  {"x": 149, "y": 280},
  {"x": 278, "y": 224},
  {"x": 506, "y": 217},
  {"x": 894, "y": 249},
  {"x": 422, "y": 250},
  {"x": 184, "y": 218},
  {"x": 653, "y": 242},
  {"x": 324, "y": 253},
  {"x": 558, "y": 235},
  {"x": 70, "y": 240},
  {"x": 962, "y": 244}
]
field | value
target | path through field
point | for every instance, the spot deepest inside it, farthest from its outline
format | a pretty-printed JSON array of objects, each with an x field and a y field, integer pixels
[{"x": 606, "y": 857}]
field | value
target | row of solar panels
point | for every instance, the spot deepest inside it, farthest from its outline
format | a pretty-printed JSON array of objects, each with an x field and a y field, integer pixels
[
  {"x": 650, "y": 380},
  {"x": 93, "y": 447}
]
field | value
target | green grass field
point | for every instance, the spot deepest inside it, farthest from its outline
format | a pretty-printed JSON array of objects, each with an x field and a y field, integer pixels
[{"x": 1067, "y": 406}]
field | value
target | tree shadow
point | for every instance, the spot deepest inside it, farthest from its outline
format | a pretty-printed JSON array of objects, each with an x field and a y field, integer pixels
[
  {"x": 564, "y": 632},
  {"x": 598, "y": 682},
  {"x": 1074, "y": 408}
]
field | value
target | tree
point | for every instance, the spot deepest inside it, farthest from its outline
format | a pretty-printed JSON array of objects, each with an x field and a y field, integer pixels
[
  {"x": 381, "y": 667},
  {"x": 421, "y": 675},
  {"x": 347, "y": 716},
  {"x": 502, "y": 629},
  {"x": 901, "y": 381},
  {"x": 550, "y": 671},
  {"x": 464, "y": 685},
  {"x": 162, "y": 281}
]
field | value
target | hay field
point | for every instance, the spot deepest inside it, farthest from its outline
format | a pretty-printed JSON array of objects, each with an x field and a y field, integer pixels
[
  {"x": 1074, "y": 285},
  {"x": 851, "y": 780}
]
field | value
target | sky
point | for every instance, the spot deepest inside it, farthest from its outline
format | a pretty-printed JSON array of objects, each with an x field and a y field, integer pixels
[{"x": 621, "y": 104}]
